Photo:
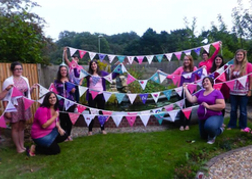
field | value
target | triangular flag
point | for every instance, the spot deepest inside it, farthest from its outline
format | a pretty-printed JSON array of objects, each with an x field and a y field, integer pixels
[
  {"x": 179, "y": 90},
  {"x": 143, "y": 97},
  {"x": 10, "y": 107},
  {"x": 187, "y": 112},
  {"x": 199, "y": 72},
  {"x": 159, "y": 57},
  {"x": 217, "y": 86},
  {"x": 187, "y": 52},
  {"x": 157, "y": 110},
  {"x": 27, "y": 103},
  {"x": 169, "y": 107},
  {"x": 169, "y": 56},
  {"x": 222, "y": 77},
  {"x": 180, "y": 103},
  {"x": 2, "y": 122},
  {"x": 107, "y": 113},
  {"x": 16, "y": 92},
  {"x": 119, "y": 97},
  {"x": 197, "y": 50},
  {"x": 178, "y": 55},
  {"x": 131, "y": 119},
  {"x": 130, "y": 59},
  {"x": 192, "y": 87},
  {"x": 118, "y": 69},
  {"x": 145, "y": 118},
  {"x": 132, "y": 97},
  {"x": 102, "y": 56},
  {"x": 168, "y": 93},
  {"x": 206, "y": 47},
  {"x": 81, "y": 108},
  {"x": 187, "y": 75},
  {"x": 155, "y": 96},
  {"x": 93, "y": 93},
  {"x": 82, "y": 53},
  {"x": 106, "y": 95},
  {"x": 230, "y": 84},
  {"x": 123, "y": 69},
  {"x": 155, "y": 78},
  {"x": 73, "y": 117},
  {"x": 82, "y": 90},
  {"x": 117, "y": 119},
  {"x": 91, "y": 55},
  {"x": 159, "y": 117},
  {"x": 130, "y": 79},
  {"x": 162, "y": 77},
  {"x": 243, "y": 80},
  {"x": 108, "y": 77},
  {"x": 72, "y": 50},
  {"x": 175, "y": 79},
  {"x": 69, "y": 86},
  {"x": 149, "y": 58},
  {"x": 143, "y": 83},
  {"x": 95, "y": 79},
  {"x": 94, "y": 111},
  {"x": 88, "y": 118},
  {"x": 83, "y": 73},
  {"x": 173, "y": 114},
  {"x": 40, "y": 101},
  {"x": 140, "y": 59},
  {"x": 121, "y": 58},
  {"x": 111, "y": 58},
  {"x": 68, "y": 104},
  {"x": 52, "y": 88},
  {"x": 102, "y": 119},
  {"x": 216, "y": 45}
]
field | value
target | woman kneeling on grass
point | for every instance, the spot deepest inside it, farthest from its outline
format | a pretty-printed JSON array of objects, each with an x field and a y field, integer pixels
[
  {"x": 211, "y": 103},
  {"x": 46, "y": 131}
]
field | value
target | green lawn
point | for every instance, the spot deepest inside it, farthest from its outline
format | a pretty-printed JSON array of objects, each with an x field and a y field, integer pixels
[{"x": 127, "y": 155}]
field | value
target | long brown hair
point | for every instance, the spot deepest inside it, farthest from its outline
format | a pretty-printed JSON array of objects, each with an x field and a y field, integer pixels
[
  {"x": 243, "y": 63},
  {"x": 191, "y": 67}
]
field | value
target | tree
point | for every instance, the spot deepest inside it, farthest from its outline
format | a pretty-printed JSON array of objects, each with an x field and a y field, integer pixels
[{"x": 21, "y": 35}]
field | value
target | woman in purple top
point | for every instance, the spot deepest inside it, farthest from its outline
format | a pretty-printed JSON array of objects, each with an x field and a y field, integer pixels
[
  {"x": 211, "y": 103},
  {"x": 46, "y": 131},
  {"x": 187, "y": 76},
  {"x": 60, "y": 85}
]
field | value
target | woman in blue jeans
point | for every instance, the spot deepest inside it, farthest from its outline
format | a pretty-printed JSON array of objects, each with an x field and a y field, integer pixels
[
  {"x": 240, "y": 94},
  {"x": 211, "y": 103}
]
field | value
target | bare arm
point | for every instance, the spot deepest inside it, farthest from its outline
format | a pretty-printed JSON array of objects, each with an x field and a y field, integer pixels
[
  {"x": 65, "y": 56},
  {"x": 60, "y": 130},
  {"x": 51, "y": 120},
  {"x": 250, "y": 85},
  {"x": 5, "y": 92},
  {"x": 189, "y": 97}
]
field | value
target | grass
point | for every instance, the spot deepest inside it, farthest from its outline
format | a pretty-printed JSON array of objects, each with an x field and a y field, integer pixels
[{"x": 163, "y": 154}]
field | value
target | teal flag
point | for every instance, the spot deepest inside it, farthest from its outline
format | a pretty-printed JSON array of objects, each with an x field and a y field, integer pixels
[
  {"x": 159, "y": 57},
  {"x": 155, "y": 78},
  {"x": 168, "y": 93},
  {"x": 119, "y": 97}
]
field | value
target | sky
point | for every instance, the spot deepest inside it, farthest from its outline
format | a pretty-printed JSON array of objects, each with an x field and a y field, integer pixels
[{"x": 118, "y": 16}]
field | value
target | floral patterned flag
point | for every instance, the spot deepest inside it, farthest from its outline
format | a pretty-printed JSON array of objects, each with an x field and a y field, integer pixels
[{"x": 82, "y": 53}]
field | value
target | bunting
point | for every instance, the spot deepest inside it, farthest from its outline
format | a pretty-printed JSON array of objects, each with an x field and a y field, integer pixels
[
  {"x": 155, "y": 96},
  {"x": 73, "y": 117},
  {"x": 2, "y": 122},
  {"x": 143, "y": 97},
  {"x": 131, "y": 97},
  {"x": 143, "y": 83},
  {"x": 187, "y": 112},
  {"x": 27, "y": 103},
  {"x": 102, "y": 119},
  {"x": 88, "y": 118}
]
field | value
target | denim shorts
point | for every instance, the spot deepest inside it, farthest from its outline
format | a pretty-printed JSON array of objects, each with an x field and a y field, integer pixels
[{"x": 47, "y": 140}]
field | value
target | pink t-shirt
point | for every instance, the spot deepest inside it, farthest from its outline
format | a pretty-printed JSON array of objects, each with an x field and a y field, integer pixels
[
  {"x": 238, "y": 88},
  {"x": 95, "y": 83},
  {"x": 74, "y": 65},
  {"x": 210, "y": 99},
  {"x": 42, "y": 115}
]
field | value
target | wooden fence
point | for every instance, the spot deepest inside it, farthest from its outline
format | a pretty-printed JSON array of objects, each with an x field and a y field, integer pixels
[{"x": 31, "y": 72}]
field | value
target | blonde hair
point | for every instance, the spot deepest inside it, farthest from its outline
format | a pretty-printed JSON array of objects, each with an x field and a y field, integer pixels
[
  {"x": 243, "y": 63},
  {"x": 191, "y": 67}
]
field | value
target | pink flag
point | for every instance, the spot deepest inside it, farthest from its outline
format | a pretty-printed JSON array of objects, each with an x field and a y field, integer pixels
[
  {"x": 80, "y": 108},
  {"x": 16, "y": 92},
  {"x": 216, "y": 45},
  {"x": 192, "y": 87},
  {"x": 2, "y": 122},
  {"x": 27, "y": 102},
  {"x": 169, "y": 107},
  {"x": 187, "y": 112},
  {"x": 222, "y": 77},
  {"x": 140, "y": 59},
  {"x": 178, "y": 55},
  {"x": 130, "y": 79},
  {"x": 94, "y": 93},
  {"x": 52, "y": 88},
  {"x": 82, "y": 53},
  {"x": 230, "y": 84},
  {"x": 73, "y": 117},
  {"x": 176, "y": 79},
  {"x": 131, "y": 118},
  {"x": 179, "y": 90},
  {"x": 218, "y": 86},
  {"x": 107, "y": 113}
]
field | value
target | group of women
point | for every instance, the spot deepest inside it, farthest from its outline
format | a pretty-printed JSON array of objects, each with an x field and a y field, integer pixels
[
  {"x": 211, "y": 101},
  {"x": 52, "y": 124}
]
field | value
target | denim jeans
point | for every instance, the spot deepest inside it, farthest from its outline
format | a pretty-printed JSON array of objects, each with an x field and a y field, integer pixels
[
  {"x": 210, "y": 127},
  {"x": 236, "y": 101}
]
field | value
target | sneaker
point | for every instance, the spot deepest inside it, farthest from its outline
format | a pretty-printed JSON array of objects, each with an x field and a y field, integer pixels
[{"x": 211, "y": 141}]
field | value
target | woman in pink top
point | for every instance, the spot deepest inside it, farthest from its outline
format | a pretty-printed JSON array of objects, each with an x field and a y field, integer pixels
[
  {"x": 46, "y": 131},
  {"x": 97, "y": 83},
  {"x": 183, "y": 71},
  {"x": 239, "y": 95}
]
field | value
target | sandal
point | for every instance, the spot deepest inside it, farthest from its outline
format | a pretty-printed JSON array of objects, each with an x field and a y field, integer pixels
[
  {"x": 187, "y": 128},
  {"x": 103, "y": 132},
  {"x": 247, "y": 129},
  {"x": 181, "y": 128},
  {"x": 90, "y": 133},
  {"x": 29, "y": 153}
]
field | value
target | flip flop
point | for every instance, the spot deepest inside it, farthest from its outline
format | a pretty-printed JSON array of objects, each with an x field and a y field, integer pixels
[{"x": 29, "y": 153}]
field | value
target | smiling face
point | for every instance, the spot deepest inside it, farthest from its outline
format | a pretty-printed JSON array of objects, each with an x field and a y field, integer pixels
[
  {"x": 52, "y": 99},
  {"x": 94, "y": 66},
  {"x": 205, "y": 56},
  {"x": 18, "y": 70},
  {"x": 207, "y": 83},
  {"x": 186, "y": 62},
  {"x": 239, "y": 56},
  {"x": 63, "y": 71},
  {"x": 218, "y": 62}
]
